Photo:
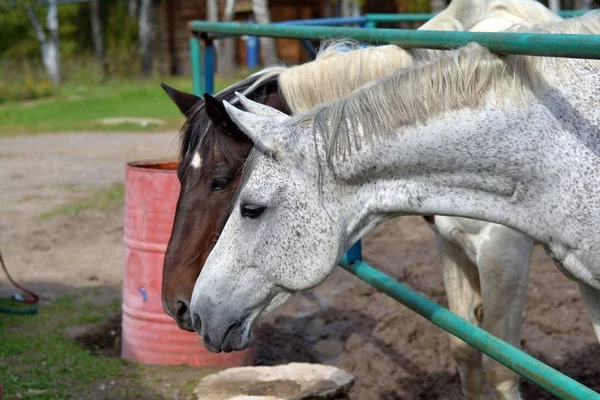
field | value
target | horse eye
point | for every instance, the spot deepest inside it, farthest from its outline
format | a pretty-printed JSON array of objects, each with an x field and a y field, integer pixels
[
  {"x": 219, "y": 184},
  {"x": 252, "y": 211}
]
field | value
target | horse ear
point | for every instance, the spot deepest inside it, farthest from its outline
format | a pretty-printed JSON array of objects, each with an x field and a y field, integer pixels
[
  {"x": 258, "y": 108},
  {"x": 218, "y": 116},
  {"x": 267, "y": 133},
  {"x": 184, "y": 101}
]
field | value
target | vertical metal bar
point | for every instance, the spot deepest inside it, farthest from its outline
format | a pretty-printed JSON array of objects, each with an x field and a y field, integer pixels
[
  {"x": 365, "y": 22},
  {"x": 196, "y": 66},
  {"x": 209, "y": 66},
  {"x": 308, "y": 46},
  {"x": 371, "y": 23},
  {"x": 252, "y": 51},
  {"x": 354, "y": 253}
]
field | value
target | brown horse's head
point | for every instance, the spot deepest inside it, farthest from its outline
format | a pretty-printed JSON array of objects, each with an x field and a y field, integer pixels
[{"x": 213, "y": 152}]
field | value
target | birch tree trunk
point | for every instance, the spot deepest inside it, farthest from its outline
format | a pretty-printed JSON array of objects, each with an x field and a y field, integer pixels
[
  {"x": 229, "y": 10},
  {"x": 145, "y": 34},
  {"x": 584, "y": 4},
  {"x": 554, "y": 5},
  {"x": 226, "y": 58},
  {"x": 212, "y": 11},
  {"x": 225, "y": 48},
  {"x": 437, "y": 5},
  {"x": 132, "y": 8},
  {"x": 49, "y": 45},
  {"x": 98, "y": 36},
  {"x": 268, "y": 49},
  {"x": 350, "y": 8},
  {"x": 53, "y": 48}
]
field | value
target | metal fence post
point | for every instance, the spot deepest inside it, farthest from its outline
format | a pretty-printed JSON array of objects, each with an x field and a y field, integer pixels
[
  {"x": 354, "y": 253},
  {"x": 209, "y": 66},
  {"x": 196, "y": 65},
  {"x": 371, "y": 23}
]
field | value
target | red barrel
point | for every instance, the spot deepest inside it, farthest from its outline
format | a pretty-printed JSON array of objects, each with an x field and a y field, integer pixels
[{"x": 150, "y": 336}]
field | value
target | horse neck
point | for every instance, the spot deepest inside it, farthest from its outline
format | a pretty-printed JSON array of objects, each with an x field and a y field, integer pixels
[{"x": 517, "y": 167}]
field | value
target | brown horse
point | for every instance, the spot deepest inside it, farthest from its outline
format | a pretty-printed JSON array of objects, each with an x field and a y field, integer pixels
[
  {"x": 213, "y": 150},
  {"x": 202, "y": 207}
]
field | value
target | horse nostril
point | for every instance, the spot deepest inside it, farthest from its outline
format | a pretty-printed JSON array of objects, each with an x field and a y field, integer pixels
[
  {"x": 196, "y": 322},
  {"x": 182, "y": 311}
]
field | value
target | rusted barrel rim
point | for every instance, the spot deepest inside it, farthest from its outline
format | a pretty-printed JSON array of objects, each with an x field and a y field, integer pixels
[{"x": 157, "y": 166}]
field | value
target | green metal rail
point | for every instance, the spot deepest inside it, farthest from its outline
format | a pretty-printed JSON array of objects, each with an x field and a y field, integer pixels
[
  {"x": 513, "y": 358},
  {"x": 373, "y": 19},
  {"x": 535, "y": 44},
  {"x": 196, "y": 62}
]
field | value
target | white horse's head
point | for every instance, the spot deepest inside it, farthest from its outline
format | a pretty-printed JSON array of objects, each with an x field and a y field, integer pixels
[{"x": 285, "y": 233}]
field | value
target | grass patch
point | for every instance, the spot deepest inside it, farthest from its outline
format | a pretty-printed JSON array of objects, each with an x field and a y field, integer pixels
[
  {"x": 38, "y": 361},
  {"x": 79, "y": 107},
  {"x": 103, "y": 200}
]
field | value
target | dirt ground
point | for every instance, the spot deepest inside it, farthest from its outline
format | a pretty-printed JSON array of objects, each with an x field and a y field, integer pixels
[{"x": 392, "y": 352}]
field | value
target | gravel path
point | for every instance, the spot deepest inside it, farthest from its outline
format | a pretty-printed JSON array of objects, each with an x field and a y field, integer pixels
[{"x": 38, "y": 173}]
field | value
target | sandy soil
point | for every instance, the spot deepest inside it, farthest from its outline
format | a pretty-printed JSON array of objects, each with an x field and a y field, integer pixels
[{"x": 392, "y": 352}]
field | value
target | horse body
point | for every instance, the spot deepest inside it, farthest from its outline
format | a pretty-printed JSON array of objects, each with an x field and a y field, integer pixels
[
  {"x": 483, "y": 263},
  {"x": 511, "y": 141}
]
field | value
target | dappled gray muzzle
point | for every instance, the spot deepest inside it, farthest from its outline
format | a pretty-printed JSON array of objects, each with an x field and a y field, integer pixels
[
  {"x": 223, "y": 310},
  {"x": 223, "y": 330}
]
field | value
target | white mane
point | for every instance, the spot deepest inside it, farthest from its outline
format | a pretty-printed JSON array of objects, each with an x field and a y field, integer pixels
[
  {"x": 462, "y": 78},
  {"x": 335, "y": 73}
]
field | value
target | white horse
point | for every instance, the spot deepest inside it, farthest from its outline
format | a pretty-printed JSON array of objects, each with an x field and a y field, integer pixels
[
  {"x": 484, "y": 264},
  {"x": 471, "y": 251},
  {"x": 510, "y": 140}
]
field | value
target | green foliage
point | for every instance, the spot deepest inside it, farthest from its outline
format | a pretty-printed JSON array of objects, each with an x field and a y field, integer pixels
[
  {"x": 418, "y": 6},
  {"x": 19, "y": 45},
  {"x": 74, "y": 29},
  {"x": 17, "y": 36},
  {"x": 26, "y": 86},
  {"x": 121, "y": 41}
]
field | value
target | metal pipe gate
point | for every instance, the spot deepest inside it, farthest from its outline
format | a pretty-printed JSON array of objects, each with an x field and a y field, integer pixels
[
  {"x": 203, "y": 67},
  {"x": 536, "y": 44}
]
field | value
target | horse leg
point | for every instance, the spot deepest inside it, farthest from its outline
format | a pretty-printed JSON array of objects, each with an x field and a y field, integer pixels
[
  {"x": 461, "y": 281},
  {"x": 591, "y": 298},
  {"x": 503, "y": 259}
]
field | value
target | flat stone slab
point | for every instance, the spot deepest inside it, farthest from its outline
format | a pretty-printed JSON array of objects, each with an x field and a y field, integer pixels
[
  {"x": 143, "y": 122},
  {"x": 294, "y": 381}
]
